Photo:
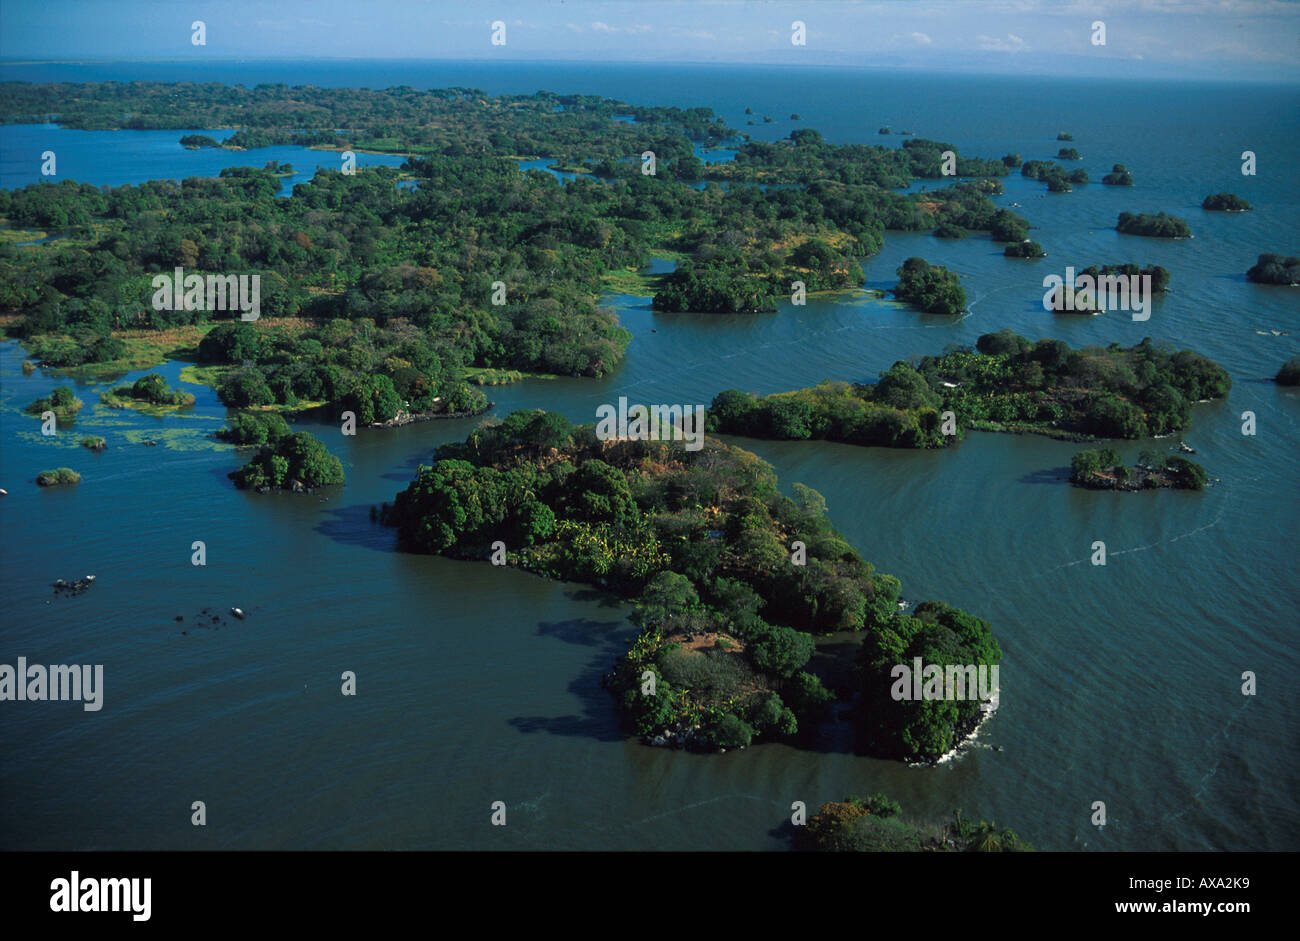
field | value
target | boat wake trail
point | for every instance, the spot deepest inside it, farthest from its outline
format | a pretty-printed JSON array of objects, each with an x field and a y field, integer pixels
[
  {"x": 680, "y": 810},
  {"x": 1164, "y": 542},
  {"x": 1204, "y": 783}
]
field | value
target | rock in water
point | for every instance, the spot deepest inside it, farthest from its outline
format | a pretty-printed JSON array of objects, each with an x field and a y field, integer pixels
[{"x": 237, "y": 612}]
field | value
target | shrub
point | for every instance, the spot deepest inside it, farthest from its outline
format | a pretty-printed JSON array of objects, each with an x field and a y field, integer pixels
[
  {"x": 54, "y": 478},
  {"x": 251, "y": 428}
]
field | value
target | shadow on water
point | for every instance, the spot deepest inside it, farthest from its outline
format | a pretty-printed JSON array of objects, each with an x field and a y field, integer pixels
[
  {"x": 587, "y": 633},
  {"x": 600, "y": 718},
  {"x": 222, "y": 474},
  {"x": 352, "y": 526},
  {"x": 1050, "y": 475},
  {"x": 786, "y": 831},
  {"x": 404, "y": 473},
  {"x": 596, "y": 596}
]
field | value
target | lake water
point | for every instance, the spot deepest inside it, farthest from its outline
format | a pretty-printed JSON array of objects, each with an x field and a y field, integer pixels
[
  {"x": 1120, "y": 683},
  {"x": 117, "y": 158}
]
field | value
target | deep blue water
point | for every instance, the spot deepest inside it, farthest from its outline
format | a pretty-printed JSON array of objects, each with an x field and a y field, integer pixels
[
  {"x": 116, "y": 158},
  {"x": 1120, "y": 684}
]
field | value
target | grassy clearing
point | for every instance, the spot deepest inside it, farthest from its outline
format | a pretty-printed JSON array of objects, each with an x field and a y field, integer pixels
[
  {"x": 637, "y": 281},
  {"x": 146, "y": 348},
  {"x": 485, "y": 376},
  {"x": 115, "y": 400},
  {"x": 203, "y": 375},
  {"x": 10, "y": 236},
  {"x": 630, "y": 281}
]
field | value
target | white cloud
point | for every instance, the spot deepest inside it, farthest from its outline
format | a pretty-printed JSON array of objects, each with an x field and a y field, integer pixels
[
  {"x": 1012, "y": 43},
  {"x": 921, "y": 39},
  {"x": 600, "y": 27}
]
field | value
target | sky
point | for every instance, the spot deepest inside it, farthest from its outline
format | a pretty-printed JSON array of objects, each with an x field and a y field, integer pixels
[{"x": 1224, "y": 39}]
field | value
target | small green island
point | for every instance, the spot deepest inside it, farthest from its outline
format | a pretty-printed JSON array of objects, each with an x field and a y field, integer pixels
[
  {"x": 1289, "y": 374},
  {"x": 1067, "y": 153},
  {"x": 1225, "y": 202},
  {"x": 1007, "y": 383},
  {"x": 875, "y": 825},
  {"x": 149, "y": 393},
  {"x": 1025, "y": 249},
  {"x": 730, "y": 579},
  {"x": 1118, "y": 176},
  {"x": 933, "y": 289},
  {"x": 1159, "y": 225},
  {"x": 1065, "y": 136},
  {"x": 63, "y": 402},
  {"x": 1057, "y": 178},
  {"x": 1088, "y": 300},
  {"x": 296, "y": 461},
  {"x": 1275, "y": 269},
  {"x": 196, "y": 141},
  {"x": 59, "y": 477},
  {"x": 1104, "y": 469},
  {"x": 94, "y": 443}
]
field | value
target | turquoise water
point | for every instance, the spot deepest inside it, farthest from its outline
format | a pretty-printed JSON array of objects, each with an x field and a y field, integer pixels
[{"x": 476, "y": 684}]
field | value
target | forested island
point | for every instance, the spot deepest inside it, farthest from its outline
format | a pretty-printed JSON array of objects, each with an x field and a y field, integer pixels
[
  {"x": 731, "y": 580},
  {"x": 1225, "y": 202},
  {"x": 296, "y": 461},
  {"x": 1104, "y": 469},
  {"x": 1289, "y": 374},
  {"x": 875, "y": 825},
  {"x": 150, "y": 392},
  {"x": 1025, "y": 249},
  {"x": 59, "y": 477},
  {"x": 1275, "y": 269},
  {"x": 1088, "y": 300},
  {"x": 196, "y": 141},
  {"x": 1007, "y": 383},
  {"x": 1159, "y": 225},
  {"x": 931, "y": 288},
  {"x": 1118, "y": 176},
  {"x": 63, "y": 402},
  {"x": 1057, "y": 178}
]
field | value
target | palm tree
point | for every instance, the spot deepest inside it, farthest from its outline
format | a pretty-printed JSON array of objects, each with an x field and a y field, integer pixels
[{"x": 989, "y": 839}]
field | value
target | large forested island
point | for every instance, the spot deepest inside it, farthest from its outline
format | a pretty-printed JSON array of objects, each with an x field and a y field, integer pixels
[
  {"x": 391, "y": 301},
  {"x": 1007, "y": 383},
  {"x": 730, "y": 578}
]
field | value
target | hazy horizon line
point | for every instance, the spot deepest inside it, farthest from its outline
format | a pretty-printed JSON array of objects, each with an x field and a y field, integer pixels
[{"x": 975, "y": 69}]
